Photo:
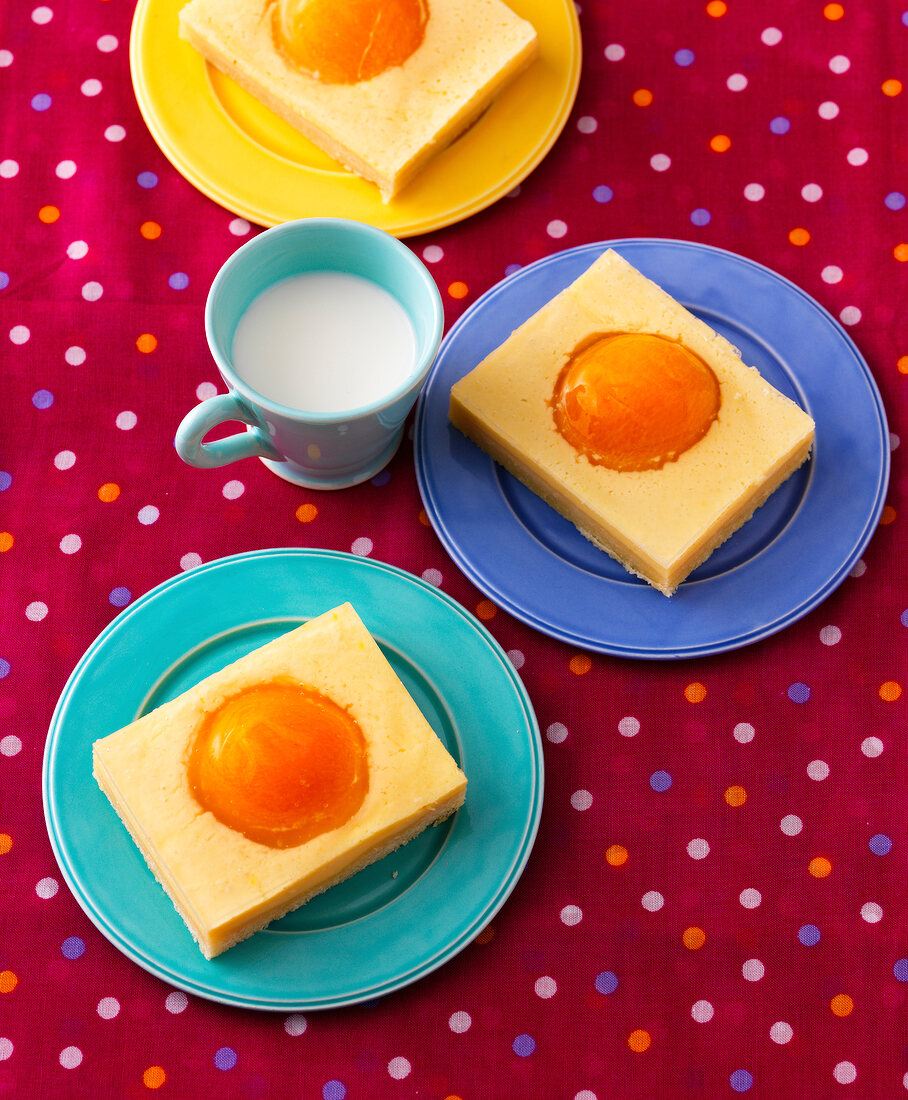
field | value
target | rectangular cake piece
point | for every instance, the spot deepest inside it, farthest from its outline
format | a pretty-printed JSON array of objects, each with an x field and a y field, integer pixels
[
  {"x": 384, "y": 128},
  {"x": 374, "y": 766},
  {"x": 660, "y": 523}
]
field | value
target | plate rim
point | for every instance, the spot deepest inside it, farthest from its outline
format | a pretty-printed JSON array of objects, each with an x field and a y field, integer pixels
[
  {"x": 418, "y": 966},
  {"x": 507, "y": 599}
]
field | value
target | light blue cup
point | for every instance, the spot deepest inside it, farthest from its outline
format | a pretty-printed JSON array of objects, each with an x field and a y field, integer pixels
[{"x": 318, "y": 450}]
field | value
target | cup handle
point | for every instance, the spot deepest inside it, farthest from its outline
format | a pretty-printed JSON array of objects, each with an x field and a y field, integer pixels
[{"x": 198, "y": 422}]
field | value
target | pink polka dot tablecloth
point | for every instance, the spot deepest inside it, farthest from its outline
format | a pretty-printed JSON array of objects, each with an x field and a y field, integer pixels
[{"x": 716, "y": 903}]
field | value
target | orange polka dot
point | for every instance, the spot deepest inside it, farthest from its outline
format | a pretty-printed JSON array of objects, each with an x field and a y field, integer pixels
[
  {"x": 108, "y": 492},
  {"x": 833, "y": 12},
  {"x": 486, "y": 610},
  {"x": 6, "y": 842},
  {"x": 842, "y": 1005},
  {"x": 457, "y": 289},
  {"x": 154, "y": 1077},
  {"x": 306, "y": 513},
  {"x": 580, "y": 664},
  {"x": 6, "y": 541},
  {"x": 643, "y": 97},
  {"x": 695, "y": 692},
  {"x": 639, "y": 1041},
  {"x": 902, "y": 364},
  {"x": 694, "y": 938},
  {"x": 453, "y": 1096},
  {"x": 616, "y": 855},
  {"x": 150, "y": 230},
  {"x": 424, "y": 517},
  {"x": 146, "y": 342},
  {"x": 8, "y": 981},
  {"x": 901, "y": 252},
  {"x": 735, "y": 796},
  {"x": 716, "y": 8},
  {"x": 721, "y": 143},
  {"x": 820, "y": 867},
  {"x": 890, "y": 691},
  {"x": 891, "y": 87},
  {"x": 887, "y": 516},
  {"x": 49, "y": 214},
  {"x": 486, "y": 935},
  {"x": 799, "y": 236}
]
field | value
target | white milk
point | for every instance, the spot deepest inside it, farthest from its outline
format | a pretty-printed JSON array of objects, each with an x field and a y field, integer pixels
[{"x": 324, "y": 341}]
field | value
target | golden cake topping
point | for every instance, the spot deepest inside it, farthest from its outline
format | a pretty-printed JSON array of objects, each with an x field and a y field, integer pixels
[
  {"x": 634, "y": 401},
  {"x": 347, "y": 41},
  {"x": 280, "y": 763}
]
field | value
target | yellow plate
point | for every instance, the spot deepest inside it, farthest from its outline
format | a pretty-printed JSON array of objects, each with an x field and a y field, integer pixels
[{"x": 244, "y": 157}]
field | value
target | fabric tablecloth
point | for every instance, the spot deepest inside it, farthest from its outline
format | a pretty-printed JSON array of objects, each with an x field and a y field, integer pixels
[{"x": 716, "y": 900}]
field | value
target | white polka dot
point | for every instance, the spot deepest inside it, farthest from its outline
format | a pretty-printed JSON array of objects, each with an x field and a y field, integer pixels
[
  {"x": 42, "y": 15},
  {"x": 399, "y": 1068},
  {"x": 432, "y": 576},
  {"x": 362, "y": 546},
  {"x": 126, "y": 420},
  {"x": 818, "y": 770},
  {"x": 871, "y": 912},
  {"x": 831, "y": 274},
  {"x": 830, "y": 635},
  {"x": 46, "y": 888},
  {"x": 811, "y": 192},
  {"x": 744, "y": 733},
  {"x": 92, "y": 88},
  {"x": 660, "y": 162},
  {"x": 698, "y": 849},
  {"x": 905, "y": 1081},
  {"x": 6, "y": 59},
  {"x": 176, "y": 1002},
  {"x": 545, "y": 987},
  {"x": 737, "y": 82},
  {"x": 571, "y": 915},
  {"x": 65, "y": 170},
  {"x": 233, "y": 490},
  {"x": 6, "y": 1049},
  {"x": 20, "y": 334},
  {"x": 459, "y": 1022},
  {"x": 839, "y": 64},
  {"x": 205, "y": 390},
  {"x": 70, "y": 1057},
  {"x": 516, "y": 657},
  {"x": 108, "y": 1007},
  {"x": 239, "y": 227},
  {"x": 781, "y": 1032},
  {"x": 872, "y": 747},
  {"x": 92, "y": 291},
  {"x": 8, "y": 169},
  {"x": 772, "y": 36},
  {"x": 432, "y": 253},
  {"x": 587, "y": 124},
  {"x": 78, "y": 250},
  {"x": 750, "y": 898},
  {"x": 107, "y": 43},
  {"x": 65, "y": 460},
  {"x": 10, "y": 745},
  {"x": 585, "y": 1094},
  {"x": 614, "y": 52},
  {"x": 556, "y": 228},
  {"x": 828, "y": 110},
  {"x": 753, "y": 970},
  {"x": 754, "y": 192},
  {"x": 652, "y": 901},
  {"x": 894, "y": 441},
  {"x": 557, "y": 732},
  {"x": 845, "y": 1073},
  {"x": 702, "y": 1012},
  {"x": 36, "y": 611},
  {"x": 70, "y": 544},
  {"x": 74, "y": 356},
  {"x": 857, "y": 157},
  {"x": 295, "y": 1024},
  {"x": 850, "y": 315},
  {"x": 115, "y": 133},
  {"x": 629, "y": 727},
  {"x": 581, "y": 800},
  {"x": 791, "y": 825},
  {"x": 860, "y": 568},
  {"x": 148, "y": 515},
  {"x": 190, "y": 561}
]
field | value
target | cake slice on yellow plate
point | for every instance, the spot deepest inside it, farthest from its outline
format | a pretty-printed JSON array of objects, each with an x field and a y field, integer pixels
[
  {"x": 635, "y": 420},
  {"x": 273, "y": 779},
  {"x": 380, "y": 85}
]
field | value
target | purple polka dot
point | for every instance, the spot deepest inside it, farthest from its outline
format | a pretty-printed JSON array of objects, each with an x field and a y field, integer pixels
[
  {"x": 780, "y": 125},
  {"x": 41, "y": 101},
  {"x": 603, "y": 193},
  {"x": 799, "y": 693},
  {"x": 147, "y": 180},
  {"x": 895, "y": 200},
  {"x": 741, "y": 1080},
  {"x": 809, "y": 935},
  {"x": 42, "y": 399},
  {"x": 901, "y": 970},
  {"x": 6, "y": 479},
  {"x": 5, "y": 667},
  {"x": 120, "y": 596},
  {"x": 225, "y": 1058},
  {"x": 382, "y": 478},
  {"x": 660, "y": 781},
  {"x": 700, "y": 216},
  {"x": 684, "y": 58},
  {"x": 511, "y": 269},
  {"x": 880, "y": 845},
  {"x": 903, "y": 618},
  {"x": 905, "y": 18},
  {"x": 606, "y": 982},
  {"x": 73, "y": 947},
  {"x": 333, "y": 1090},
  {"x": 179, "y": 280},
  {"x": 524, "y": 1045},
  {"x": 4, "y": 280}
]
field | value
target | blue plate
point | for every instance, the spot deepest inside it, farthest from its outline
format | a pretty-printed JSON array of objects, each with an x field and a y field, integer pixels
[
  {"x": 390, "y": 924},
  {"x": 797, "y": 548}
]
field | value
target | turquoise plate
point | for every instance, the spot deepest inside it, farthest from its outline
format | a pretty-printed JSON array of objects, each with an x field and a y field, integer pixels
[{"x": 392, "y": 923}]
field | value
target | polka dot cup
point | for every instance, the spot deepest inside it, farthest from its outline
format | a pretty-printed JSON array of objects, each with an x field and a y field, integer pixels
[{"x": 312, "y": 448}]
